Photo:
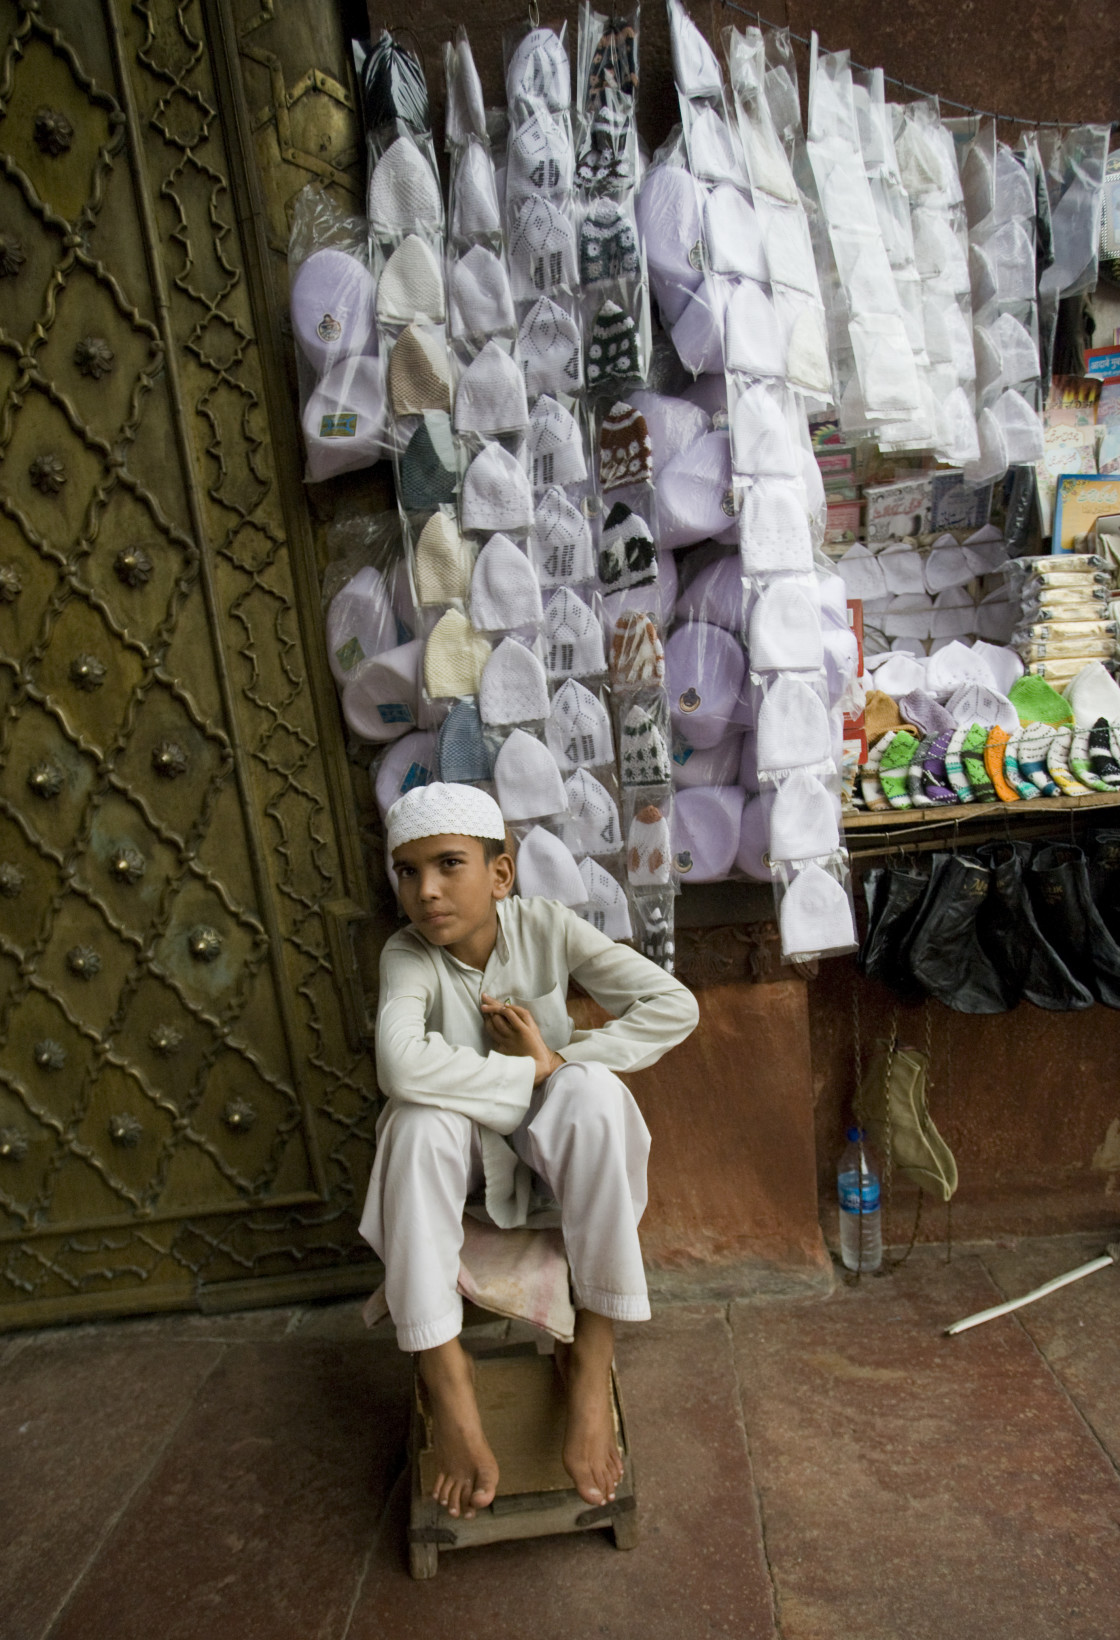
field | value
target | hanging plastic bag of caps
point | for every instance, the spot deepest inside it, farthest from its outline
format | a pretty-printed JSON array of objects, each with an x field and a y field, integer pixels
[{"x": 340, "y": 370}]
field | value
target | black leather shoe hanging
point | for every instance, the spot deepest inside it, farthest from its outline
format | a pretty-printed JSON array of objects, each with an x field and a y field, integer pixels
[
  {"x": 946, "y": 956},
  {"x": 898, "y": 894},
  {"x": 1058, "y": 884},
  {"x": 1104, "y": 877},
  {"x": 1009, "y": 933}
]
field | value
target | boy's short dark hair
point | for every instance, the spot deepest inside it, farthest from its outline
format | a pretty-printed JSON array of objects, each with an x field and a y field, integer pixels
[{"x": 493, "y": 846}]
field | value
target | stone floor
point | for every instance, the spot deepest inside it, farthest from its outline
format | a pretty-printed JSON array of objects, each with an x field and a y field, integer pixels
[{"x": 810, "y": 1469}]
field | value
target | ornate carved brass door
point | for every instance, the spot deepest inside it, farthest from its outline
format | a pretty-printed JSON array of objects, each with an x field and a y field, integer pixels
[{"x": 183, "y": 1108}]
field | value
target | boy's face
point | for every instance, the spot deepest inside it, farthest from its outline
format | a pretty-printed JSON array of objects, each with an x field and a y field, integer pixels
[{"x": 448, "y": 888}]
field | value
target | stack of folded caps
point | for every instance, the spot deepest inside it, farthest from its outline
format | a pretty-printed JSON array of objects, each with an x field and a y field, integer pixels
[
  {"x": 1065, "y": 615},
  {"x": 920, "y": 599}
]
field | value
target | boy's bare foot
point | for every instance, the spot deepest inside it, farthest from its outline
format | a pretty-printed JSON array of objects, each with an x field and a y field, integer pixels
[
  {"x": 590, "y": 1453},
  {"x": 467, "y": 1471}
]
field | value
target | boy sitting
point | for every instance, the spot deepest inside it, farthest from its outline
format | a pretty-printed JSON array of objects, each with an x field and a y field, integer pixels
[{"x": 488, "y": 1086}]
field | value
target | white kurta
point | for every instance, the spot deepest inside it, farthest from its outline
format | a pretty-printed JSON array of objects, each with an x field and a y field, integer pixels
[{"x": 432, "y": 1046}]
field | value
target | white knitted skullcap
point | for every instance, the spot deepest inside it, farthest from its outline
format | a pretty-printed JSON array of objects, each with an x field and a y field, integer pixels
[
  {"x": 443, "y": 809},
  {"x": 753, "y": 338},
  {"x": 573, "y": 638},
  {"x": 578, "y": 730},
  {"x": 539, "y": 68},
  {"x": 411, "y": 285},
  {"x": 491, "y": 394},
  {"x": 793, "y": 728},
  {"x": 815, "y": 914},
  {"x": 560, "y": 542},
  {"x": 711, "y": 150},
  {"x": 733, "y": 234},
  {"x": 496, "y": 493},
  {"x": 549, "y": 344},
  {"x": 555, "y": 445},
  {"x": 805, "y": 819},
  {"x": 539, "y": 156},
  {"x": 546, "y": 868},
  {"x": 649, "y": 851},
  {"x": 479, "y": 295},
  {"x": 513, "y": 687},
  {"x": 593, "y": 815},
  {"x": 528, "y": 781},
  {"x": 466, "y": 110},
  {"x": 504, "y": 590},
  {"x": 542, "y": 245},
  {"x": 695, "y": 68},
  {"x": 785, "y": 630},
  {"x": 607, "y": 909},
  {"x": 474, "y": 206},
  {"x": 403, "y": 191}
]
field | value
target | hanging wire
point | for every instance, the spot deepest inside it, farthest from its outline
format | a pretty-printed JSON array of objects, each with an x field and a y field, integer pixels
[{"x": 915, "y": 90}]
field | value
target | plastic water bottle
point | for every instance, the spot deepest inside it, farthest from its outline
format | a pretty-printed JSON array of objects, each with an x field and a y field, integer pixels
[{"x": 857, "y": 1184}]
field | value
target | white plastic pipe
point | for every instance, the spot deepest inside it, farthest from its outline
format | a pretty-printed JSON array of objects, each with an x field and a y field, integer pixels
[{"x": 1111, "y": 1257}]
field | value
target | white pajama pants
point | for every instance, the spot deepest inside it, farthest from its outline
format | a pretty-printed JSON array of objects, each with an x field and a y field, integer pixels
[{"x": 585, "y": 1137}]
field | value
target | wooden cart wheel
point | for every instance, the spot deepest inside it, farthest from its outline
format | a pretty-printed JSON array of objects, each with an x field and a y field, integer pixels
[
  {"x": 626, "y": 1530},
  {"x": 423, "y": 1560}
]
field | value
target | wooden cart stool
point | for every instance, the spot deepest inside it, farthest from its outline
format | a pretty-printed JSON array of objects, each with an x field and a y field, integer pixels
[{"x": 522, "y": 1403}]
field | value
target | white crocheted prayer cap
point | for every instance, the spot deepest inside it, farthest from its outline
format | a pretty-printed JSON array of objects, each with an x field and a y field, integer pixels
[
  {"x": 332, "y": 307},
  {"x": 1021, "y": 427},
  {"x": 711, "y": 150},
  {"x": 504, "y": 589},
  {"x": 443, "y": 809},
  {"x": 956, "y": 664},
  {"x": 545, "y": 868},
  {"x": 359, "y": 623},
  {"x": 754, "y": 341},
  {"x": 774, "y": 529},
  {"x": 479, "y": 295},
  {"x": 733, "y": 234},
  {"x": 793, "y": 728},
  {"x": 899, "y": 673},
  {"x": 1093, "y": 694},
  {"x": 549, "y": 344},
  {"x": 815, "y": 915},
  {"x": 496, "y": 493},
  {"x": 539, "y": 69},
  {"x": 466, "y": 109},
  {"x": 442, "y": 562},
  {"x": 607, "y": 909},
  {"x": 528, "y": 781},
  {"x": 540, "y": 156},
  {"x": 382, "y": 698},
  {"x": 805, "y": 819},
  {"x": 862, "y": 573},
  {"x": 454, "y": 657},
  {"x": 474, "y": 204},
  {"x": 977, "y": 703},
  {"x": 902, "y": 568},
  {"x": 542, "y": 245},
  {"x": 560, "y": 541},
  {"x": 593, "y": 815},
  {"x": 555, "y": 445},
  {"x": 403, "y": 191},
  {"x": 513, "y": 687},
  {"x": 706, "y": 824},
  {"x": 760, "y": 434},
  {"x": 946, "y": 565},
  {"x": 573, "y": 638},
  {"x": 411, "y": 285},
  {"x": 1004, "y": 664},
  {"x": 578, "y": 729},
  {"x": 491, "y": 394},
  {"x": 695, "y": 68},
  {"x": 954, "y": 614},
  {"x": 785, "y": 630}
]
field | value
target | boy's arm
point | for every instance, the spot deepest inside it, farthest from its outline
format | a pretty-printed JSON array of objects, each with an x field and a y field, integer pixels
[
  {"x": 419, "y": 1067},
  {"x": 653, "y": 1010}
]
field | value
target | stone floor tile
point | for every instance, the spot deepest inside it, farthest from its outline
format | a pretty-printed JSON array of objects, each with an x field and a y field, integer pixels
[
  {"x": 223, "y": 1327},
  {"x": 1076, "y": 1328},
  {"x": 80, "y": 1427},
  {"x": 921, "y": 1486},
  {"x": 258, "y": 1520},
  {"x": 699, "y": 1569}
]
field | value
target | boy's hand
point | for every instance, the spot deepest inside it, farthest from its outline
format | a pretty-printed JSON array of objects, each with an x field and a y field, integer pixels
[{"x": 513, "y": 1030}]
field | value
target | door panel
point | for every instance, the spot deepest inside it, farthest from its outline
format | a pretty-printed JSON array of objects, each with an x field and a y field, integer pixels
[{"x": 181, "y": 1106}]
